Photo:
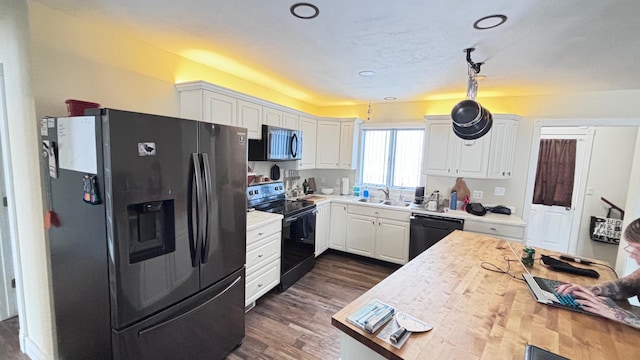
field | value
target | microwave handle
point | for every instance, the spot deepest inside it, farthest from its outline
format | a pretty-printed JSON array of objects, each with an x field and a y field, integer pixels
[{"x": 293, "y": 145}]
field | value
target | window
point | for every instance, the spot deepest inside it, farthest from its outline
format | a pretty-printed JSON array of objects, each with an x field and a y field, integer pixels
[{"x": 391, "y": 157}]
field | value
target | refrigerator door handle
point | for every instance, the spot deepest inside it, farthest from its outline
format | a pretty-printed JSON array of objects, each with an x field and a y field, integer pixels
[
  {"x": 170, "y": 320},
  {"x": 197, "y": 219},
  {"x": 208, "y": 192}
]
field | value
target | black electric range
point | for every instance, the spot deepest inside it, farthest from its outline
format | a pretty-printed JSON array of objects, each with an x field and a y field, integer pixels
[{"x": 298, "y": 229}]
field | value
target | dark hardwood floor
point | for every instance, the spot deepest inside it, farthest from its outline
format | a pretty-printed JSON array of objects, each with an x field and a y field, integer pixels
[
  {"x": 9, "y": 343},
  {"x": 294, "y": 324}
]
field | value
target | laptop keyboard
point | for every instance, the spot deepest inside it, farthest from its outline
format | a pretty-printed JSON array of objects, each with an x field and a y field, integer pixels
[{"x": 567, "y": 300}]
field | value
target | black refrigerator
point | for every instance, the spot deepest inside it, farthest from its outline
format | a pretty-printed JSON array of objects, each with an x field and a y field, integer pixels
[{"x": 146, "y": 219}]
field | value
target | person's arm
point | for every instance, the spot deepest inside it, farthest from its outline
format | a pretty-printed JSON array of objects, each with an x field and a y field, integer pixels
[
  {"x": 606, "y": 307},
  {"x": 620, "y": 289}
]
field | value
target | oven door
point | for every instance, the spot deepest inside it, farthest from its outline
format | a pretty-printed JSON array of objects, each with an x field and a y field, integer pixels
[{"x": 298, "y": 239}]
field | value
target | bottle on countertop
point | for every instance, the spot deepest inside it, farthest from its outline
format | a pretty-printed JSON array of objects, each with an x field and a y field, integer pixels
[
  {"x": 365, "y": 193},
  {"x": 356, "y": 190},
  {"x": 305, "y": 186},
  {"x": 453, "y": 201}
]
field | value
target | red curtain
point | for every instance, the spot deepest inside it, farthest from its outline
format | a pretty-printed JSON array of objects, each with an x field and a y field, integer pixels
[{"x": 555, "y": 174}]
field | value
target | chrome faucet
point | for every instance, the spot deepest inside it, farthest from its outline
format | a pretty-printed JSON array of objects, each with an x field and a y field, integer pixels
[{"x": 386, "y": 193}]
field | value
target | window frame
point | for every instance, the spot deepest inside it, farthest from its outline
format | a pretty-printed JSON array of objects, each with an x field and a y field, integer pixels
[{"x": 389, "y": 126}]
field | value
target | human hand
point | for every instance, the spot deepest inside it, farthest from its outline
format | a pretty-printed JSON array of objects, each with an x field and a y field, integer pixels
[
  {"x": 566, "y": 289},
  {"x": 600, "y": 305}
]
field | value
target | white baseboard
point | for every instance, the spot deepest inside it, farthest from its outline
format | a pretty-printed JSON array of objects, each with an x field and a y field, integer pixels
[{"x": 33, "y": 350}]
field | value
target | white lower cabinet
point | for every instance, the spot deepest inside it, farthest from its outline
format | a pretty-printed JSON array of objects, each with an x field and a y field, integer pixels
[
  {"x": 263, "y": 260},
  {"x": 361, "y": 233},
  {"x": 378, "y": 233},
  {"x": 338, "y": 228},
  {"x": 323, "y": 228},
  {"x": 502, "y": 231},
  {"x": 392, "y": 241}
]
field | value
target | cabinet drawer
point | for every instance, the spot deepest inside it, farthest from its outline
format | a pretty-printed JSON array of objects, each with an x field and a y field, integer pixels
[
  {"x": 263, "y": 281},
  {"x": 500, "y": 230},
  {"x": 380, "y": 212},
  {"x": 263, "y": 251},
  {"x": 263, "y": 231}
]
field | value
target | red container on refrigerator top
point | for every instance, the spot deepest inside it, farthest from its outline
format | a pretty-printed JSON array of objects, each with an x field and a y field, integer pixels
[{"x": 77, "y": 107}]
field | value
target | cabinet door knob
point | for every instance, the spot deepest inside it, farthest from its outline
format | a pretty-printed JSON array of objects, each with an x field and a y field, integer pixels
[
  {"x": 259, "y": 256},
  {"x": 259, "y": 234},
  {"x": 503, "y": 173}
]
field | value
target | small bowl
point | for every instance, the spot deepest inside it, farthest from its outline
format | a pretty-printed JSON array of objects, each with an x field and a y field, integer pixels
[{"x": 326, "y": 191}]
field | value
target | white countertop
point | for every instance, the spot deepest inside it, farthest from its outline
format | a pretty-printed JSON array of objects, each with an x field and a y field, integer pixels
[
  {"x": 259, "y": 218},
  {"x": 459, "y": 214}
]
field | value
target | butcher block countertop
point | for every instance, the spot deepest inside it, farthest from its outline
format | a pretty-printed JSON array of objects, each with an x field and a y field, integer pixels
[{"x": 479, "y": 314}]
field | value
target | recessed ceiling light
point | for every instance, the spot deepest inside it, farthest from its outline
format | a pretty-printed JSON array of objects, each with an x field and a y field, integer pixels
[
  {"x": 367, "y": 73},
  {"x": 304, "y": 10},
  {"x": 390, "y": 98},
  {"x": 489, "y": 22}
]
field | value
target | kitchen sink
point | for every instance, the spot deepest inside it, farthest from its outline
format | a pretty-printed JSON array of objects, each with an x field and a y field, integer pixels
[
  {"x": 371, "y": 201},
  {"x": 396, "y": 203}
]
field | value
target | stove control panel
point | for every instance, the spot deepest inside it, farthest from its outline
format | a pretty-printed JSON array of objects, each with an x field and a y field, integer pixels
[{"x": 265, "y": 191}]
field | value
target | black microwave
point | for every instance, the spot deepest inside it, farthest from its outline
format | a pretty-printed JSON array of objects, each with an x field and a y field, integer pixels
[{"x": 277, "y": 144}]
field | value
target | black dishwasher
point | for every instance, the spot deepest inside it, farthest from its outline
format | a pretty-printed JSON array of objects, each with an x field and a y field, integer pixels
[{"x": 427, "y": 230}]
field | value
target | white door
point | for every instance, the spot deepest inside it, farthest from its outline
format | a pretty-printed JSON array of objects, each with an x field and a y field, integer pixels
[
  {"x": 556, "y": 227},
  {"x": 8, "y": 299}
]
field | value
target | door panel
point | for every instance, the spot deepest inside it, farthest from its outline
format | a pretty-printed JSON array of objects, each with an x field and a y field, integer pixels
[
  {"x": 147, "y": 167},
  {"x": 206, "y": 326},
  {"x": 549, "y": 227},
  {"x": 225, "y": 247}
]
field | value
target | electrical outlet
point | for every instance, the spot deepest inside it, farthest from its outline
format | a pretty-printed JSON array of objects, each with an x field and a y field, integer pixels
[
  {"x": 499, "y": 191},
  {"x": 477, "y": 194}
]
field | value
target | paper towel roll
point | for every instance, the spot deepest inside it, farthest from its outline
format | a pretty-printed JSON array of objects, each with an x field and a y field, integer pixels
[{"x": 344, "y": 186}]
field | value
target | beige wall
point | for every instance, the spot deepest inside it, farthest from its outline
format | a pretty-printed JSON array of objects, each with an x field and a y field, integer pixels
[
  {"x": 90, "y": 60},
  {"x": 27, "y": 200},
  {"x": 609, "y": 172}
]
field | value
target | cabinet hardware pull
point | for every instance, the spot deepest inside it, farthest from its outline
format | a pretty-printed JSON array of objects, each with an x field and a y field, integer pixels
[
  {"x": 260, "y": 255},
  {"x": 492, "y": 229},
  {"x": 260, "y": 234},
  {"x": 259, "y": 285}
]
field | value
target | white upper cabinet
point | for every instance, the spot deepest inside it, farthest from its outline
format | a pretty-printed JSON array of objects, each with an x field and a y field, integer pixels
[
  {"x": 290, "y": 121},
  {"x": 272, "y": 117},
  {"x": 328, "y": 145},
  {"x": 349, "y": 142},
  {"x": 209, "y": 106},
  {"x": 484, "y": 158},
  {"x": 503, "y": 145},
  {"x": 436, "y": 148},
  {"x": 308, "y": 127},
  {"x": 250, "y": 117}
]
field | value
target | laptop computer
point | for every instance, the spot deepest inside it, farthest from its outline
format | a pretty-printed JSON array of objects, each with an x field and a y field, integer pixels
[{"x": 543, "y": 290}]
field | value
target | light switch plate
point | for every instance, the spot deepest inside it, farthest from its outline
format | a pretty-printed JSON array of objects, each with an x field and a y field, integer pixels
[
  {"x": 499, "y": 191},
  {"x": 477, "y": 194}
]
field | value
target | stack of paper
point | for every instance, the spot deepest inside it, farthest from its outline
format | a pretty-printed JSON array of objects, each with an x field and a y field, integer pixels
[{"x": 372, "y": 316}]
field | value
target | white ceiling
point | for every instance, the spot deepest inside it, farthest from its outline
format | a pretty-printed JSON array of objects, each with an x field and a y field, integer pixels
[{"x": 414, "y": 46}]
